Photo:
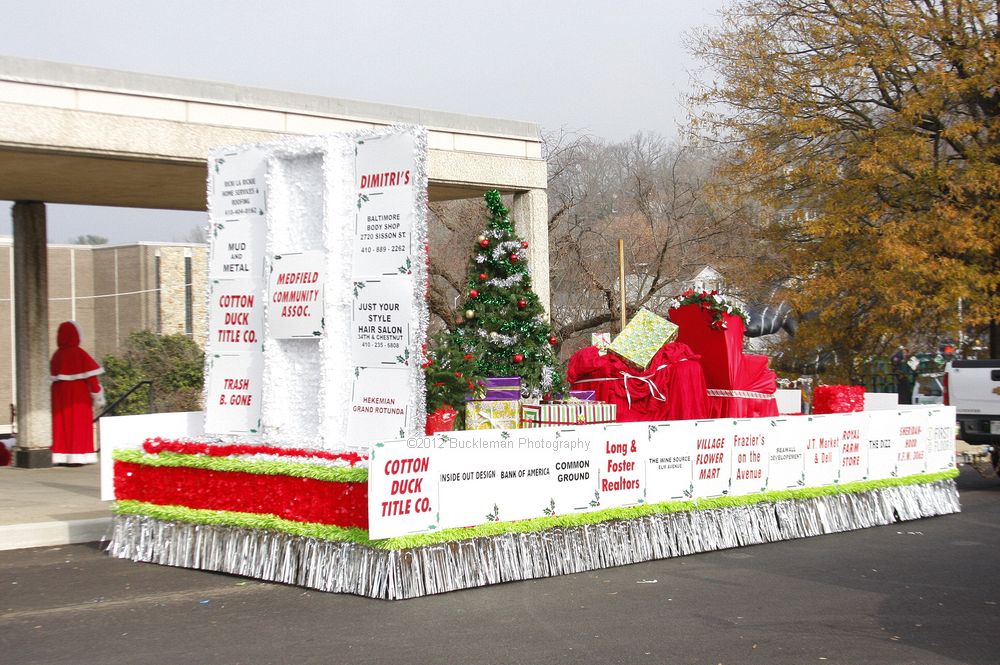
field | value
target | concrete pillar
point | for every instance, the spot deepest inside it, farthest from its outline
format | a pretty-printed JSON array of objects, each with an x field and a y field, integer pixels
[
  {"x": 530, "y": 212},
  {"x": 31, "y": 329}
]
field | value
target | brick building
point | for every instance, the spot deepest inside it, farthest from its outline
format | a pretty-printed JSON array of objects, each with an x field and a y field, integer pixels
[{"x": 110, "y": 291}]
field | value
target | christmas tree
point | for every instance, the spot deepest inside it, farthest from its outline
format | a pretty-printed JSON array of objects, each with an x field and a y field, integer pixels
[
  {"x": 504, "y": 326},
  {"x": 451, "y": 375}
]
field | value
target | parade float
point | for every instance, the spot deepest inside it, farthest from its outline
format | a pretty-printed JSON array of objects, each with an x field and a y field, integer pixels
[{"x": 312, "y": 463}]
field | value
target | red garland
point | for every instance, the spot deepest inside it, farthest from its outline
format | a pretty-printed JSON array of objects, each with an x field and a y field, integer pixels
[
  {"x": 158, "y": 445},
  {"x": 838, "y": 399},
  {"x": 288, "y": 497}
]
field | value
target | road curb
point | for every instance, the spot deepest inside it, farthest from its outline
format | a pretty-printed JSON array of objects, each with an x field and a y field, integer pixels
[{"x": 47, "y": 534}]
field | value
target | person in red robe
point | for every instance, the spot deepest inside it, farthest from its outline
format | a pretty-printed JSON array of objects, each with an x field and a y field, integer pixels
[{"x": 76, "y": 391}]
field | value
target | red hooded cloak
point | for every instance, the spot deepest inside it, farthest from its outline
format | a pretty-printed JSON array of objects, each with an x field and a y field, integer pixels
[{"x": 75, "y": 389}]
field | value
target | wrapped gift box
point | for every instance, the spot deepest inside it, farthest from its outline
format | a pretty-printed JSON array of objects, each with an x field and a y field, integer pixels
[
  {"x": 601, "y": 340},
  {"x": 498, "y": 388},
  {"x": 572, "y": 396},
  {"x": 643, "y": 337},
  {"x": 492, "y": 414},
  {"x": 568, "y": 413}
]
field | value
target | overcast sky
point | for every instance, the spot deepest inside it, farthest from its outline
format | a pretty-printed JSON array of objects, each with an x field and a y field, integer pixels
[{"x": 608, "y": 68}]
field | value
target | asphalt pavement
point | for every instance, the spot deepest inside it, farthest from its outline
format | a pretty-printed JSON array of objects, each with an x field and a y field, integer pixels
[{"x": 916, "y": 592}]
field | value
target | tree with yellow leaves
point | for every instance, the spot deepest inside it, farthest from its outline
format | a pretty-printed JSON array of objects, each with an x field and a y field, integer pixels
[{"x": 870, "y": 132}]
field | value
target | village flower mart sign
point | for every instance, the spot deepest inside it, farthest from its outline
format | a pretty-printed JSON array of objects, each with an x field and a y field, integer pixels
[{"x": 460, "y": 479}]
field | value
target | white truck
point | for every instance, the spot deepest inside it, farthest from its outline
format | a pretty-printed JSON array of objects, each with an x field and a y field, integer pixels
[{"x": 973, "y": 388}]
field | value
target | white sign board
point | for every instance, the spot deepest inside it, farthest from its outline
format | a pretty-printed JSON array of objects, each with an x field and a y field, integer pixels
[
  {"x": 236, "y": 201},
  {"x": 379, "y": 404},
  {"x": 713, "y": 452},
  {"x": 234, "y": 352},
  {"x": 751, "y": 459},
  {"x": 786, "y": 455},
  {"x": 940, "y": 440},
  {"x": 474, "y": 477},
  {"x": 385, "y": 179},
  {"x": 235, "y": 386},
  {"x": 822, "y": 456},
  {"x": 669, "y": 462},
  {"x": 295, "y": 296},
  {"x": 853, "y": 451},
  {"x": 381, "y": 322},
  {"x": 235, "y": 317},
  {"x": 402, "y": 497}
]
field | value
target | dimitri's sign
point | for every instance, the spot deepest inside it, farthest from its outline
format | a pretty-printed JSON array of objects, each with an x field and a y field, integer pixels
[{"x": 469, "y": 478}]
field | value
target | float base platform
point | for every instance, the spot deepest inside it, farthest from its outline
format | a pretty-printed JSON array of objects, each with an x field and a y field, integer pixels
[{"x": 411, "y": 572}]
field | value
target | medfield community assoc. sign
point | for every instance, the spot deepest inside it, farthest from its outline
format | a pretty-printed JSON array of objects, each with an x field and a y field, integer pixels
[{"x": 469, "y": 478}]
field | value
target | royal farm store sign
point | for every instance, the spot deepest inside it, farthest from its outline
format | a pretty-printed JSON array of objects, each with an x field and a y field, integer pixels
[{"x": 461, "y": 479}]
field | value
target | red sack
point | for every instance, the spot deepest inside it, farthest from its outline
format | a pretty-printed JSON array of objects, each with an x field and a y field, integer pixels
[
  {"x": 442, "y": 420},
  {"x": 672, "y": 387}
]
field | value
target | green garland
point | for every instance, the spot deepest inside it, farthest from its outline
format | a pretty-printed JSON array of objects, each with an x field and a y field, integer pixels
[
  {"x": 341, "y": 534},
  {"x": 242, "y": 520},
  {"x": 334, "y": 474}
]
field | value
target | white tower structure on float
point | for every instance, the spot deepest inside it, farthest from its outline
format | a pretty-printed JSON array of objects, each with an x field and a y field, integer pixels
[{"x": 317, "y": 311}]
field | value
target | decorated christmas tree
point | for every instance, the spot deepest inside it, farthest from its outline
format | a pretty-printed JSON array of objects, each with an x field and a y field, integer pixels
[
  {"x": 504, "y": 326},
  {"x": 451, "y": 376}
]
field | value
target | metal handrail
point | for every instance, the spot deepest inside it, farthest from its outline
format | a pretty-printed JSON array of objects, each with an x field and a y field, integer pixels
[{"x": 114, "y": 405}]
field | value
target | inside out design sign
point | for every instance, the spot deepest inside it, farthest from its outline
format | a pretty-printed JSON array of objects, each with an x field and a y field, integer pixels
[{"x": 295, "y": 296}]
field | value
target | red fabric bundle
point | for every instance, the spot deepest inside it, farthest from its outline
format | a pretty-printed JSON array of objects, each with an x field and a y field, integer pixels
[
  {"x": 838, "y": 399},
  {"x": 671, "y": 388}
]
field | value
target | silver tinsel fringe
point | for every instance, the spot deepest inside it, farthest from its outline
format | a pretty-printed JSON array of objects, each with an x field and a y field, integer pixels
[{"x": 357, "y": 569}]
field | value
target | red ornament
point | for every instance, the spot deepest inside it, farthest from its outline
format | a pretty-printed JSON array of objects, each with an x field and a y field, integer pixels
[
  {"x": 553, "y": 340},
  {"x": 514, "y": 258},
  {"x": 522, "y": 303},
  {"x": 483, "y": 277},
  {"x": 473, "y": 293},
  {"x": 518, "y": 358},
  {"x": 484, "y": 243},
  {"x": 524, "y": 243},
  {"x": 467, "y": 356}
]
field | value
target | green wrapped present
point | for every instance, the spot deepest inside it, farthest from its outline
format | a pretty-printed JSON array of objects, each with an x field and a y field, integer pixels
[
  {"x": 644, "y": 335},
  {"x": 493, "y": 414}
]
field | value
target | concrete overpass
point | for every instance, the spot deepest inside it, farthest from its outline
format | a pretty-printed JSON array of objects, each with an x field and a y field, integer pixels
[{"x": 82, "y": 135}]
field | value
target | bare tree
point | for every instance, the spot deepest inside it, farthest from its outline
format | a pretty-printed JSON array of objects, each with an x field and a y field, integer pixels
[{"x": 656, "y": 196}]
